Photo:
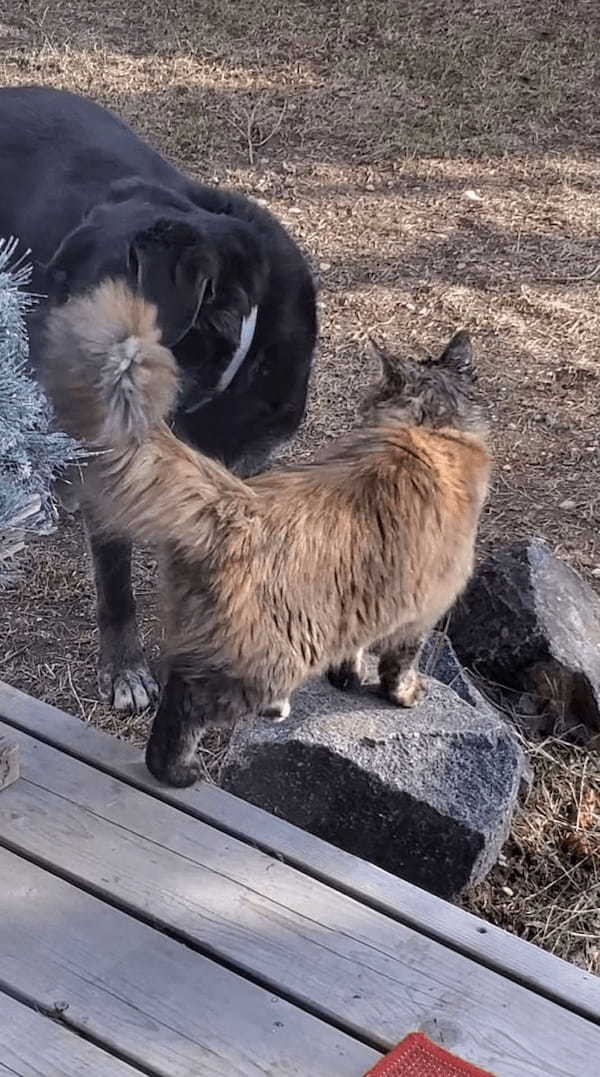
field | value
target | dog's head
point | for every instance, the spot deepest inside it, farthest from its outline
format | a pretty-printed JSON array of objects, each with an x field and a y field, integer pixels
[
  {"x": 435, "y": 392},
  {"x": 193, "y": 265}
]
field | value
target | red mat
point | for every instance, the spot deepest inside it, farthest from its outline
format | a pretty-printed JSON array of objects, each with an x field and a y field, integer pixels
[{"x": 417, "y": 1056}]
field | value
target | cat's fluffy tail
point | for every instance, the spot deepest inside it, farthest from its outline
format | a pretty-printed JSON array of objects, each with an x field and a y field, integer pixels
[
  {"x": 113, "y": 384},
  {"x": 111, "y": 380}
]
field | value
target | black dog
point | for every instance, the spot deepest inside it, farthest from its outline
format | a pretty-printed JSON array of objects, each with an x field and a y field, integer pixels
[{"x": 235, "y": 301}]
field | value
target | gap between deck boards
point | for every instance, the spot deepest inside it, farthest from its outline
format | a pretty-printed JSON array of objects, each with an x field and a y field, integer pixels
[
  {"x": 203, "y": 950},
  {"x": 114, "y": 991},
  {"x": 61, "y": 804},
  {"x": 37, "y": 724},
  {"x": 62, "y": 1021}
]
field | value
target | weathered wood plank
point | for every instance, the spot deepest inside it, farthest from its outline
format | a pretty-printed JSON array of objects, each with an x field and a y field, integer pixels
[
  {"x": 489, "y": 945},
  {"x": 9, "y": 762},
  {"x": 34, "y": 1046},
  {"x": 150, "y": 998},
  {"x": 353, "y": 965}
]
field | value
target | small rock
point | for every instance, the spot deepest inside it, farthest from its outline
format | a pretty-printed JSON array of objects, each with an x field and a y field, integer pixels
[
  {"x": 427, "y": 794},
  {"x": 568, "y": 504},
  {"x": 528, "y": 621},
  {"x": 472, "y": 196}
]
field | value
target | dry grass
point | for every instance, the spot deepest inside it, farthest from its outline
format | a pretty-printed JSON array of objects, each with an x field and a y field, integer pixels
[
  {"x": 546, "y": 887},
  {"x": 440, "y": 163},
  {"x": 546, "y": 884}
]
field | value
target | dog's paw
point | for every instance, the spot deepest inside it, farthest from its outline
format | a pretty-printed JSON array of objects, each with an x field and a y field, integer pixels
[
  {"x": 132, "y": 690},
  {"x": 277, "y": 711},
  {"x": 410, "y": 690}
]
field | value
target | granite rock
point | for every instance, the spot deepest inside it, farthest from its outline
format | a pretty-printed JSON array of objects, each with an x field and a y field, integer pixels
[
  {"x": 427, "y": 794},
  {"x": 528, "y": 621}
]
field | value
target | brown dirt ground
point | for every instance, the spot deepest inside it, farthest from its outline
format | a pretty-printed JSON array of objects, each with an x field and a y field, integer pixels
[{"x": 440, "y": 163}]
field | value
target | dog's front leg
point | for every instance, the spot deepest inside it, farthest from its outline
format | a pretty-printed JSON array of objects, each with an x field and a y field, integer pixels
[{"x": 124, "y": 677}]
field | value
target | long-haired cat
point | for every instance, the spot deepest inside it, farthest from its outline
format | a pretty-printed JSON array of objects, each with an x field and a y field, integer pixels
[{"x": 290, "y": 573}]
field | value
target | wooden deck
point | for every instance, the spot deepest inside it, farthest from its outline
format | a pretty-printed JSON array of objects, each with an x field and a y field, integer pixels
[{"x": 146, "y": 930}]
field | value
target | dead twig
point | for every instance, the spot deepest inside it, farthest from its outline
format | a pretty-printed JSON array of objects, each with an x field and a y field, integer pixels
[
  {"x": 244, "y": 123},
  {"x": 255, "y": 145}
]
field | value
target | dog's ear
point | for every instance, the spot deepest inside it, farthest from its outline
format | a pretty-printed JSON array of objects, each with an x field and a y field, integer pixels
[
  {"x": 56, "y": 284},
  {"x": 61, "y": 272},
  {"x": 458, "y": 355},
  {"x": 171, "y": 267}
]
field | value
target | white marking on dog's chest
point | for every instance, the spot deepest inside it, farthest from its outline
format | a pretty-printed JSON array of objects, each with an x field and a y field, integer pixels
[{"x": 240, "y": 353}]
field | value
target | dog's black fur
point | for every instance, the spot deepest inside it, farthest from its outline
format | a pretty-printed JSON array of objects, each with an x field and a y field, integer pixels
[{"x": 92, "y": 200}]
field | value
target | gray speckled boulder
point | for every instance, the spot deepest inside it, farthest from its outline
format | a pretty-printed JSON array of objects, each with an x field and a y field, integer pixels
[
  {"x": 438, "y": 659},
  {"x": 531, "y": 622},
  {"x": 426, "y": 793}
]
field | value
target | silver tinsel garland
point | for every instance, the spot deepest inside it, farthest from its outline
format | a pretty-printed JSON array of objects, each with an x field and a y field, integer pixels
[{"x": 30, "y": 451}]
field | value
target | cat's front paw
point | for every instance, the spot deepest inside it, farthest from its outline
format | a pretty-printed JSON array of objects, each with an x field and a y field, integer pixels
[{"x": 178, "y": 773}]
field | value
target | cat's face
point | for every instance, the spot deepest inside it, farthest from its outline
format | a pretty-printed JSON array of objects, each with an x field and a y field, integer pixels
[{"x": 435, "y": 392}]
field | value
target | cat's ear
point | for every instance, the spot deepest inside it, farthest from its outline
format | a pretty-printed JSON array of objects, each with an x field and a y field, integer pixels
[
  {"x": 458, "y": 355},
  {"x": 385, "y": 366}
]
